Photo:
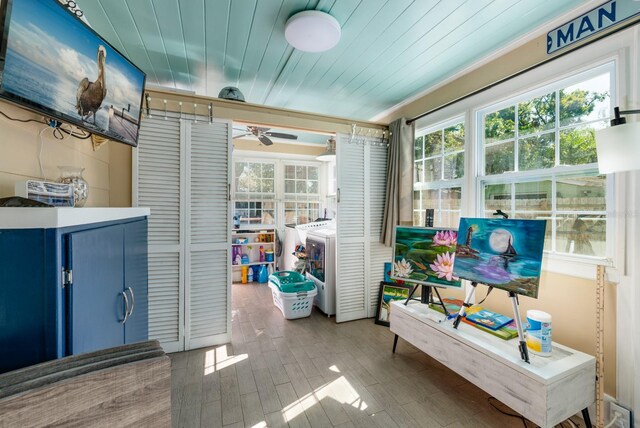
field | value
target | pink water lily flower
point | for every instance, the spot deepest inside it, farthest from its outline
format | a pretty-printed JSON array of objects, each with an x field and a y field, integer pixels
[
  {"x": 443, "y": 266},
  {"x": 445, "y": 237}
]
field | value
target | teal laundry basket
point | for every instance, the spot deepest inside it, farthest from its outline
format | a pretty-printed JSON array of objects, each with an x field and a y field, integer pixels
[{"x": 292, "y": 293}]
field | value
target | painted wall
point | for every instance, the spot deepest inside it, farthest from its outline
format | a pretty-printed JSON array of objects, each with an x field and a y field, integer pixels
[
  {"x": 20, "y": 147},
  {"x": 119, "y": 175}
]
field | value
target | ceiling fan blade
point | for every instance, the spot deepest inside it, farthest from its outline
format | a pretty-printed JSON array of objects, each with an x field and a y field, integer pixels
[
  {"x": 281, "y": 135},
  {"x": 265, "y": 140},
  {"x": 242, "y": 135}
]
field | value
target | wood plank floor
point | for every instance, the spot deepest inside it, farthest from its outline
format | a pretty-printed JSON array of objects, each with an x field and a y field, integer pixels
[{"x": 313, "y": 372}]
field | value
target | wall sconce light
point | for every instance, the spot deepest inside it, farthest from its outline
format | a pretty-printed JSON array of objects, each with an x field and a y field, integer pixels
[{"x": 618, "y": 146}]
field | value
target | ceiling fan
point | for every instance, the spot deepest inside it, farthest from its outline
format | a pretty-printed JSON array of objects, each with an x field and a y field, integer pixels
[{"x": 263, "y": 134}]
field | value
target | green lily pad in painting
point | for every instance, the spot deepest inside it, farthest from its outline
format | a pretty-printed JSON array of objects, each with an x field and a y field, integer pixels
[
  {"x": 401, "y": 249},
  {"x": 444, "y": 248},
  {"x": 421, "y": 256},
  {"x": 423, "y": 245},
  {"x": 418, "y": 276}
]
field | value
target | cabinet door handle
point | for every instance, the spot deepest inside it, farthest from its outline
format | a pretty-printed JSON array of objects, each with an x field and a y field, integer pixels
[
  {"x": 133, "y": 300},
  {"x": 126, "y": 309}
]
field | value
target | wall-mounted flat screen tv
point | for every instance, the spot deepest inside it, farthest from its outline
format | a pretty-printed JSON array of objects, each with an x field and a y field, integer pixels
[
  {"x": 53, "y": 63},
  {"x": 503, "y": 253},
  {"x": 425, "y": 255}
]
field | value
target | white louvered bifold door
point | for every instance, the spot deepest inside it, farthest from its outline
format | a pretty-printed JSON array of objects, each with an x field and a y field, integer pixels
[
  {"x": 378, "y": 253},
  {"x": 351, "y": 294},
  {"x": 181, "y": 172},
  {"x": 208, "y": 314},
  {"x": 361, "y": 173},
  {"x": 157, "y": 178}
]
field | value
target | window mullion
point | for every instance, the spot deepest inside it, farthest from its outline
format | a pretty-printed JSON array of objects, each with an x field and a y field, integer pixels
[
  {"x": 554, "y": 193},
  {"x": 554, "y": 211},
  {"x": 516, "y": 134},
  {"x": 442, "y": 155},
  {"x": 557, "y": 142}
]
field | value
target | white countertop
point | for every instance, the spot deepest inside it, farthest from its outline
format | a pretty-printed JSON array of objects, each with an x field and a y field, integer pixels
[{"x": 47, "y": 218}]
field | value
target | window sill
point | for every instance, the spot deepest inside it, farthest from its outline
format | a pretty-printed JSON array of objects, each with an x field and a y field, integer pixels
[{"x": 580, "y": 267}]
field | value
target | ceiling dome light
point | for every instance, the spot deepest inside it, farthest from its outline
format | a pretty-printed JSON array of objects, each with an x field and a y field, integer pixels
[{"x": 312, "y": 31}]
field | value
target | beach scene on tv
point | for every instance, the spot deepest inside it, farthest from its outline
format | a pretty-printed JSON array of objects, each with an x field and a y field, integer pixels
[
  {"x": 504, "y": 253},
  {"x": 55, "y": 62},
  {"x": 425, "y": 256}
]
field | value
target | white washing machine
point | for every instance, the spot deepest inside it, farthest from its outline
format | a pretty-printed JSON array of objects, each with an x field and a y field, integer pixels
[
  {"x": 321, "y": 267},
  {"x": 294, "y": 235}
]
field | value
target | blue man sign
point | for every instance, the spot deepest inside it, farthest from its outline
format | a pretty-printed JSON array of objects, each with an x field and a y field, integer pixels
[{"x": 610, "y": 13}]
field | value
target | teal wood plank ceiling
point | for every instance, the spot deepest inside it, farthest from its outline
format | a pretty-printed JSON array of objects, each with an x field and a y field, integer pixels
[{"x": 390, "y": 50}]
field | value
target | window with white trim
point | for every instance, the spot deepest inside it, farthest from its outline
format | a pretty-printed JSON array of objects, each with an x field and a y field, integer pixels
[
  {"x": 537, "y": 159},
  {"x": 301, "y": 193},
  {"x": 277, "y": 191},
  {"x": 255, "y": 192},
  {"x": 438, "y": 173}
]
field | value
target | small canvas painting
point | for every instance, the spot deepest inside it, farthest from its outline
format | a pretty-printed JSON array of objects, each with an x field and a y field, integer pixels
[
  {"x": 489, "y": 319},
  {"x": 425, "y": 255},
  {"x": 388, "y": 266},
  {"x": 388, "y": 293},
  {"x": 503, "y": 253}
]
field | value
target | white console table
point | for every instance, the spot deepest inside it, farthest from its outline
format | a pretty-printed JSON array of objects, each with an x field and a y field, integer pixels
[{"x": 547, "y": 391}]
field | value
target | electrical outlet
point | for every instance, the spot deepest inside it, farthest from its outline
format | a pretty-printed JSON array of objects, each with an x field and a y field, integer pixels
[{"x": 624, "y": 420}]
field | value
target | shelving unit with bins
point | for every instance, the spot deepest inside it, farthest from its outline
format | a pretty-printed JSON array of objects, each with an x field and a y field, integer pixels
[{"x": 256, "y": 236}]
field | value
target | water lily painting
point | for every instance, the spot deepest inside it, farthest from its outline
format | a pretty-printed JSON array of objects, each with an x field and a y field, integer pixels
[
  {"x": 503, "y": 253},
  {"x": 425, "y": 255}
]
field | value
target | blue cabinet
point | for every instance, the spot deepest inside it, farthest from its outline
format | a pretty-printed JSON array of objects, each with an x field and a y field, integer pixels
[
  {"x": 69, "y": 290},
  {"x": 136, "y": 269}
]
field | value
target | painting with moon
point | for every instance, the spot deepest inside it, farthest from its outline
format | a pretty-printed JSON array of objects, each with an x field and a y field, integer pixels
[
  {"x": 55, "y": 64},
  {"x": 503, "y": 253}
]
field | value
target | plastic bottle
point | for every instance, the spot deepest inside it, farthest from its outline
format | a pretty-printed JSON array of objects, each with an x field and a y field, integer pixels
[
  {"x": 261, "y": 253},
  {"x": 244, "y": 274},
  {"x": 250, "y": 275},
  {"x": 263, "y": 275}
]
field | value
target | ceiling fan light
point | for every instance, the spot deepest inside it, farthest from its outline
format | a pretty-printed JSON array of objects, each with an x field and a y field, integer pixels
[
  {"x": 312, "y": 31},
  {"x": 328, "y": 155}
]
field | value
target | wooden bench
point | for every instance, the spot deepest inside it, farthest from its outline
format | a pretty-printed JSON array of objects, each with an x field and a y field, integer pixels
[{"x": 127, "y": 385}]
